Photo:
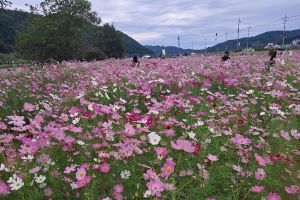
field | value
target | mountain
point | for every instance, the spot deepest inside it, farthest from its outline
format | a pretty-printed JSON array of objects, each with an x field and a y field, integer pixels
[
  {"x": 11, "y": 21},
  {"x": 170, "y": 50},
  {"x": 257, "y": 42},
  {"x": 133, "y": 47}
]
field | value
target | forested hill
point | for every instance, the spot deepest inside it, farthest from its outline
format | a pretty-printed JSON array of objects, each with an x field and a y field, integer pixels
[
  {"x": 11, "y": 21},
  {"x": 259, "y": 41}
]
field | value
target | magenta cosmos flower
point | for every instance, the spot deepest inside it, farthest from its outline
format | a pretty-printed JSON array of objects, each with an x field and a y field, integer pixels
[
  {"x": 104, "y": 168},
  {"x": 273, "y": 196}
]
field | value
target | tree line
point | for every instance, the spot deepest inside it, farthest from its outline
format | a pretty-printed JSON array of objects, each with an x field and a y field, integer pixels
[{"x": 66, "y": 30}]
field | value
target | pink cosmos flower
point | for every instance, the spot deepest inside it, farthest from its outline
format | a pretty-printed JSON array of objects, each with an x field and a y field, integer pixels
[
  {"x": 168, "y": 168},
  {"x": 48, "y": 192},
  {"x": 170, "y": 187},
  {"x": 80, "y": 174},
  {"x": 241, "y": 140},
  {"x": 29, "y": 107},
  {"x": 3, "y": 126},
  {"x": 260, "y": 174},
  {"x": 43, "y": 159},
  {"x": 83, "y": 182},
  {"x": 4, "y": 189},
  {"x": 292, "y": 189},
  {"x": 297, "y": 110},
  {"x": 285, "y": 135},
  {"x": 118, "y": 188},
  {"x": 16, "y": 120},
  {"x": 161, "y": 152},
  {"x": 129, "y": 130},
  {"x": 104, "y": 168},
  {"x": 184, "y": 145},
  {"x": 59, "y": 134},
  {"x": 262, "y": 161},
  {"x": 150, "y": 174},
  {"x": 273, "y": 196},
  {"x": 156, "y": 187},
  {"x": 295, "y": 134},
  {"x": 257, "y": 189},
  {"x": 212, "y": 158}
]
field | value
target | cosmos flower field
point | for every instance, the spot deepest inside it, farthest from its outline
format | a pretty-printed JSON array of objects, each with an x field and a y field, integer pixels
[{"x": 188, "y": 128}]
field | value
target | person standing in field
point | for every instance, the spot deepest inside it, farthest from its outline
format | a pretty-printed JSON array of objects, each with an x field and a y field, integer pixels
[
  {"x": 226, "y": 56},
  {"x": 272, "y": 53},
  {"x": 163, "y": 52},
  {"x": 135, "y": 61}
]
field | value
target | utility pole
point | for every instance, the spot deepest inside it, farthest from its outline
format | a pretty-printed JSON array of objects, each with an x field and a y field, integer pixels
[
  {"x": 284, "y": 28},
  {"x": 238, "y": 39},
  {"x": 178, "y": 41},
  {"x": 192, "y": 45},
  {"x": 205, "y": 46},
  {"x": 226, "y": 42},
  {"x": 248, "y": 36}
]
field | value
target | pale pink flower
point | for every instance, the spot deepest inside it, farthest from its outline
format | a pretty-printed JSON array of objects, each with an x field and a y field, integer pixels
[
  {"x": 168, "y": 168},
  {"x": 184, "y": 145},
  {"x": 212, "y": 158},
  {"x": 257, "y": 189},
  {"x": 80, "y": 174},
  {"x": 260, "y": 174},
  {"x": 156, "y": 187},
  {"x": 262, "y": 161}
]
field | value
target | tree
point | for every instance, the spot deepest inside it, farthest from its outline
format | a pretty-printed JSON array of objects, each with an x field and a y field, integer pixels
[
  {"x": 109, "y": 40},
  {"x": 62, "y": 32},
  {"x": 4, "y": 4}
]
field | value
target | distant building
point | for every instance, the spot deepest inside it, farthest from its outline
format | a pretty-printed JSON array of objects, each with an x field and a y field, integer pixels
[
  {"x": 272, "y": 46},
  {"x": 296, "y": 43}
]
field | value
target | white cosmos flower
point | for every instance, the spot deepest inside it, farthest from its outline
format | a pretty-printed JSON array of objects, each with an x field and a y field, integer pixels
[
  {"x": 250, "y": 92},
  {"x": 40, "y": 179},
  {"x": 29, "y": 157},
  {"x": 80, "y": 142},
  {"x": 2, "y": 167},
  {"x": 90, "y": 107},
  {"x": 154, "y": 139},
  {"x": 76, "y": 120},
  {"x": 125, "y": 174},
  {"x": 262, "y": 113},
  {"x": 147, "y": 194},
  {"x": 192, "y": 135},
  {"x": 123, "y": 100},
  {"x": 200, "y": 123},
  {"x": 81, "y": 94},
  {"x": 16, "y": 184}
]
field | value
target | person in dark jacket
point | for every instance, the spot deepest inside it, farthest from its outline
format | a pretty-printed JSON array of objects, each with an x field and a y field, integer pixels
[
  {"x": 272, "y": 53},
  {"x": 135, "y": 61},
  {"x": 226, "y": 56}
]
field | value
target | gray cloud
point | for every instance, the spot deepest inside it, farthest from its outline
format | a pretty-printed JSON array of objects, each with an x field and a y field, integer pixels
[{"x": 159, "y": 22}]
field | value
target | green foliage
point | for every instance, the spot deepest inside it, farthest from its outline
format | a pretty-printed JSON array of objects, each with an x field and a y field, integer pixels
[
  {"x": 110, "y": 41},
  {"x": 13, "y": 21}
]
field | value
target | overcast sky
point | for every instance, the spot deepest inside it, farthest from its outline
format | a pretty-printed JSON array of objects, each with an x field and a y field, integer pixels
[{"x": 159, "y": 22}]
